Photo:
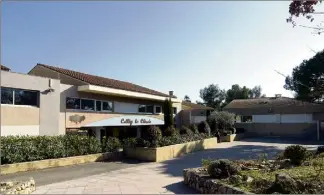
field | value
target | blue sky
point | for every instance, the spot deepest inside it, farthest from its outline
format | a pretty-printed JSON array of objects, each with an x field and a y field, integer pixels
[{"x": 179, "y": 46}]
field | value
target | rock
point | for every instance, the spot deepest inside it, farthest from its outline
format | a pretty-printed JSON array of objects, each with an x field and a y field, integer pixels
[
  {"x": 249, "y": 179},
  {"x": 283, "y": 184},
  {"x": 236, "y": 179}
]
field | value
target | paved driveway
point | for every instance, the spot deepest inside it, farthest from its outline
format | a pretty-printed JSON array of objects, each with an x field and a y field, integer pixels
[{"x": 166, "y": 177}]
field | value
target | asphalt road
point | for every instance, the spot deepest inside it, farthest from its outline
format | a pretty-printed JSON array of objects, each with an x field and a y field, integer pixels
[{"x": 53, "y": 175}]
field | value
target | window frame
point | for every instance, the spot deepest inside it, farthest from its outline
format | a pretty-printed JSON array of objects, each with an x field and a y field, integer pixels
[
  {"x": 95, "y": 106},
  {"x": 158, "y": 106},
  {"x": 146, "y": 109},
  {"x": 13, "y": 90}
]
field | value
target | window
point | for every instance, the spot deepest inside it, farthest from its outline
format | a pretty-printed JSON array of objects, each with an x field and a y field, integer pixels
[
  {"x": 149, "y": 109},
  {"x": 6, "y": 95},
  {"x": 174, "y": 110},
  {"x": 142, "y": 108},
  {"x": 19, "y": 97},
  {"x": 158, "y": 109},
  {"x": 107, "y": 106},
  {"x": 146, "y": 109},
  {"x": 87, "y": 104},
  {"x": 73, "y": 103},
  {"x": 25, "y": 97},
  {"x": 98, "y": 105}
]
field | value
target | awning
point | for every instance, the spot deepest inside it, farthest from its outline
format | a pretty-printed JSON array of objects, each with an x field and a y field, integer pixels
[{"x": 129, "y": 120}]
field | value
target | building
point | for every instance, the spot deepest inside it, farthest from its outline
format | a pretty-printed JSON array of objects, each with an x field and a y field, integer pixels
[
  {"x": 278, "y": 116},
  {"x": 193, "y": 113},
  {"x": 51, "y": 101}
]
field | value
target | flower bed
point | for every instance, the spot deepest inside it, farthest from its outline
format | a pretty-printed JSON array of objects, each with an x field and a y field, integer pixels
[{"x": 296, "y": 171}]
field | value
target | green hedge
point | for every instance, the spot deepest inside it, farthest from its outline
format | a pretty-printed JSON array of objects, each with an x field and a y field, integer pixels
[
  {"x": 164, "y": 141},
  {"x": 16, "y": 149}
]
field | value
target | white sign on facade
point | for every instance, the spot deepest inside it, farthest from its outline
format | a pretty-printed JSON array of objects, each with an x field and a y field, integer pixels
[{"x": 127, "y": 120}]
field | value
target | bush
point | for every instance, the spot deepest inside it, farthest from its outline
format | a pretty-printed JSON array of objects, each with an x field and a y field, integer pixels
[
  {"x": 178, "y": 139},
  {"x": 320, "y": 149},
  {"x": 16, "y": 149},
  {"x": 110, "y": 144},
  {"x": 154, "y": 133},
  {"x": 204, "y": 127},
  {"x": 185, "y": 131},
  {"x": 296, "y": 154},
  {"x": 233, "y": 130},
  {"x": 194, "y": 129},
  {"x": 221, "y": 120},
  {"x": 223, "y": 168},
  {"x": 170, "y": 131}
]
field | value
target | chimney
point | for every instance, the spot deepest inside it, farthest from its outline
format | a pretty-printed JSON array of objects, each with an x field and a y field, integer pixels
[
  {"x": 277, "y": 95},
  {"x": 170, "y": 93}
]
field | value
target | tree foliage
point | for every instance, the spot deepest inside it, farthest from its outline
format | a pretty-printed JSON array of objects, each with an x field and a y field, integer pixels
[
  {"x": 186, "y": 98},
  {"x": 212, "y": 96},
  {"x": 237, "y": 92},
  {"x": 305, "y": 8},
  {"x": 168, "y": 113},
  {"x": 307, "y": 79}
]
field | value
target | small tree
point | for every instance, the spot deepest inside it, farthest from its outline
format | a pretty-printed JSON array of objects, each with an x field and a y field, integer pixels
[
  {"x": 221, "y": 121},
  {"x": 168, "y": 113}
]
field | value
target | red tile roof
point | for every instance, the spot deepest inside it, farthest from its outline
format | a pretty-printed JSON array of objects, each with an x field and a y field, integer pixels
[
  {"x": 104, "y": 82},
  {"x": 4, "y": 68}
]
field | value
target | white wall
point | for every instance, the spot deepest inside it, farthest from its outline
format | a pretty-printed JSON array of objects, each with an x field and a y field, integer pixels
[
  {"x": 125, "y": 107},
  {"x": 197, "y": 119},
  {"x": 296, "y": 118},
  {"x": 283, "y": 118},
  {"x": 20, "y": 130},
  {"x": 270, "y": 118}
]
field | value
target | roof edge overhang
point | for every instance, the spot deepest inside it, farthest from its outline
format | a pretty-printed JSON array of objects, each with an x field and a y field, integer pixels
[{"x": 124, "y": 93}]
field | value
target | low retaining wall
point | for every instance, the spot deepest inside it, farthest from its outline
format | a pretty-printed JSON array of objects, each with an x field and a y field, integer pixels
[
  {"x": 60, "y": 162},
  {"x": 168, "y": 152},
  {"x": 18, "y": 187},
  {"x": 205, "y": 185},
  {"x": 232, "y": 137}
]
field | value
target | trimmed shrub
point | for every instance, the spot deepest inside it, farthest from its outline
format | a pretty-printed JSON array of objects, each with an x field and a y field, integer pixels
[
  {"x": 130, "y": 142},
  {"x": 16, "y": 149},
  {"x": 204, "y": 127},
  {"x": 140, "y": 142},
  {"x": 223, "y": 168},
  {"x": 296, "y": 154},
  {"x": 221, "y": 120},
  {"x": 194, "y": 129},
  {"x": 233, "y": 130},
  {"x": 110, "y": 144},
  {"x": 185, "y": 131},
  {"x": 154, "y": 133},
  {"x": 320, "y": 149},
  {"x": 170, "y": 131}
]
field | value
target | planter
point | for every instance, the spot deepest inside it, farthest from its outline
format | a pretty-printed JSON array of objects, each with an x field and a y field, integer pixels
[
  {"x": 206, "y": 185},
  {"x": 232, "y": 137},
  {"x": 59, "y": 162},
  {"x": 169, "y": 152}
]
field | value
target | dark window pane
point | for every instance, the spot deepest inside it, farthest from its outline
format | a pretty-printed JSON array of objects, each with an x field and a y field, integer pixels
[
  {"x": 174, "y": 110},
  {"x": 87, "y": 104},
  {"x": 98, "y": 105},
  {"x": 72, "y": 103},
  {"x": 24, "y": 97},
  {"x": 157, "y": 109},
  {"x": 6, "y": 95},
  {"x": 107, "y": 106},
  {"x": 149, "y": 109},
  {"x": 142, "y": 108}
]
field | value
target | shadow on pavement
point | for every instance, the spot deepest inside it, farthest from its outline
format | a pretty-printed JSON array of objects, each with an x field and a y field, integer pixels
[
  {"x": 180, "y": 188},
  {"x": 175, "y": 167},
  {"x": 284, "y": 140}
]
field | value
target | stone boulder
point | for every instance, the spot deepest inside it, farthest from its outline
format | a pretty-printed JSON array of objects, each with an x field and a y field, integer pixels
[{"x": 284, "y": 184}]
